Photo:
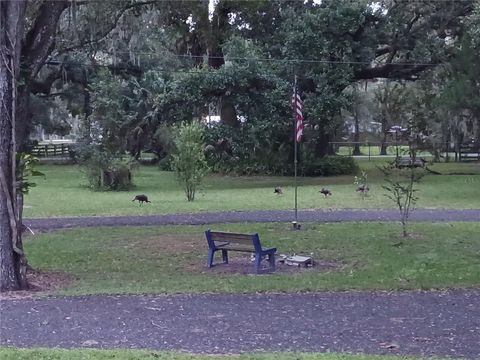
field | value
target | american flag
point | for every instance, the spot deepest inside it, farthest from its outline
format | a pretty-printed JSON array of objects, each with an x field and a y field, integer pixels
[{"x": 297, "y": 105}]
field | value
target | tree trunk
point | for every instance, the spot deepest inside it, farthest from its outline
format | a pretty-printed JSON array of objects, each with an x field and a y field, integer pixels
[
  {"x": 12, "y": 259},
  {"x": 217, "y": 34},
  {"x": 383, "y": 147},
  {"x": 218, "y": 28},
  {"x": 228, "y": 114},
  {"x": 8, "y": 268},
  {"x": 356, "y": 137},
  {"x": 322, "y": 146}
]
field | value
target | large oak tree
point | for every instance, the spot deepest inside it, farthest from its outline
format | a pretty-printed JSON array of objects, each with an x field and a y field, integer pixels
[{"x": 24, "y": 48}]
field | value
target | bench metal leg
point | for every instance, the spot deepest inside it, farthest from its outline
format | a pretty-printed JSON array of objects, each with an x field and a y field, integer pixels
[
  {"x": 225, "y": 256},
  {"x": 258, "y": 260},
  {"x": 210, "y": 258},
  {"x": 271, "y": 260}
]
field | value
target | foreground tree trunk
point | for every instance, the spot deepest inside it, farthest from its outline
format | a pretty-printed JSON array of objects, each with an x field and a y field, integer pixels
[
  {"x": 12, "y": 259},
  {"x": 9, "y": 272}
]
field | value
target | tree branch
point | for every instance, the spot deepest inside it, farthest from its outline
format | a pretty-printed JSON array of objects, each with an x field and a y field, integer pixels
[
  {"x": 108, "y": 30},
  {"x": 41, "y": 37},
  {"x": 391, "y": 71}
]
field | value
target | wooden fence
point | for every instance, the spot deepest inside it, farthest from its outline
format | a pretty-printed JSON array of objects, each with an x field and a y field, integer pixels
[
  {"x": 52, "y": 150},
  {"x": 368, "y": 148},
  {"x": 465, "y": 152},
  {"x": 469, "y": 152}
]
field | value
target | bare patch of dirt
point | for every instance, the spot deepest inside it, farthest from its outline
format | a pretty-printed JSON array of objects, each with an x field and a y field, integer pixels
[
  {"x": 241, "y": 264},
  {"x": 40, "y": 282}
]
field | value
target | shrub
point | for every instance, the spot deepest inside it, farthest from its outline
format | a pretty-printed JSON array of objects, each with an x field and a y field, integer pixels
[
  {"x": 189, "y": 160},
  {"x": 104, "y": 170},
  {"x": 330, "y": 166}
]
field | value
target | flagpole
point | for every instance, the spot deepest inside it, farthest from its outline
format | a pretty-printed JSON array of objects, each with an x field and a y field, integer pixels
[{"x": 295, "y": 161}]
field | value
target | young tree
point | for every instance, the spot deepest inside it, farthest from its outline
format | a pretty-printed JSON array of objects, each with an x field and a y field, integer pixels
[
  {"x": 402, "y": 180},
  {"x": 189, "y": 161},
  {"x": 362, "y": 184}
]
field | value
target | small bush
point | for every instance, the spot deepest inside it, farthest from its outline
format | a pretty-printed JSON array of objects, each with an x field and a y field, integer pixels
[
  {"x": 330, "y": 166},
  {"x": 189, "y": 160},
  {"x": 105, "y": 171}
]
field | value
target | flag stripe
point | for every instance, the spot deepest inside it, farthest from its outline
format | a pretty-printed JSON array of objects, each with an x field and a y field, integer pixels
[{"x": 297, "y": 105}]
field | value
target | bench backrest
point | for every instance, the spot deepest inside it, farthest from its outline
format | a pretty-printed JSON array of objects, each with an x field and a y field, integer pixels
[{"x": 233, "y": 238}]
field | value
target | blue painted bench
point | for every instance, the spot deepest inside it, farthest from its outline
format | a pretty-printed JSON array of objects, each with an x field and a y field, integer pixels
[{"x": 226, "y": 241}]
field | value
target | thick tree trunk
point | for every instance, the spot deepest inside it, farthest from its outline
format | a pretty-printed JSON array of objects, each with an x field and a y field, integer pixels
[
  {"x": 228, "y": 114},
  {"x": 356, "y": 136},
  {"x": 217, "y": 33},
  {"x": 12, "y": 259},
  {"x": 8, "y": 273},
  {"x": 323, "y": 147},
  {"x": 383, "y": 147}
]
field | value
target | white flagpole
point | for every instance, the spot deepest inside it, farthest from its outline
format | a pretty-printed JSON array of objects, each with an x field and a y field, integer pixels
[{"x": 295, "y": 225}]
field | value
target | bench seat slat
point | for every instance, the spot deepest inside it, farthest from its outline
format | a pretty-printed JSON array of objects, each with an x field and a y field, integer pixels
[
  {"x": 234, "y": 238},
  {"x": 251, "y": 250}
]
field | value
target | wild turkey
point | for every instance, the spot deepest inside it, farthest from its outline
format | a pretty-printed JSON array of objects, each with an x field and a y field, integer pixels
[
  {"x": 141, "y": 198},
  {"x": 325, "y": 192},
  {"x": 278, "y": 190},
  {"x": 362, "y": 188}
]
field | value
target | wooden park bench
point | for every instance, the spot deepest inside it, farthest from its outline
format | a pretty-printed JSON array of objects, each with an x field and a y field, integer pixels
[
  {"x": 407, "y": 161},
  {"x": 250, "y": 243}
]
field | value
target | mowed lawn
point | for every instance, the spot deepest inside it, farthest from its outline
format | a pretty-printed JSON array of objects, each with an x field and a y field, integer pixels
[
  {"x": 63, "y": 192},
  {"x": 171, "y": 259},
  {"x": 87, "y": 354}
]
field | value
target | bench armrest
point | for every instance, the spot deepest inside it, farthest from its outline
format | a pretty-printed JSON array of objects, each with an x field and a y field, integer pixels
[{"x": 269, "y": 250}]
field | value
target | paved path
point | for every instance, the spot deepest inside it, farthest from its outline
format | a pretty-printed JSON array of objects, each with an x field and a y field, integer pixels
[
  {"x": 255, "y": 216},
  {"x": 419, "y": 323}
]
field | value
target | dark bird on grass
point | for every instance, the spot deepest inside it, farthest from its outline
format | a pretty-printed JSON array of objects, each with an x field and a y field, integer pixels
[
  {"x": 362, "y": 188},
  {"x": 325, "y": 192},
  {"x": 278, "y": 190},
  {"x": 141, "y": 198}
]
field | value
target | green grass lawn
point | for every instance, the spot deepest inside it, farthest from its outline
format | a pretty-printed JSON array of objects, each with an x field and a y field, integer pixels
[
  {"x": 63, "y": 192},
  {"x": 172, "y": 259},
  {"x": 57, "y": 354}
]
